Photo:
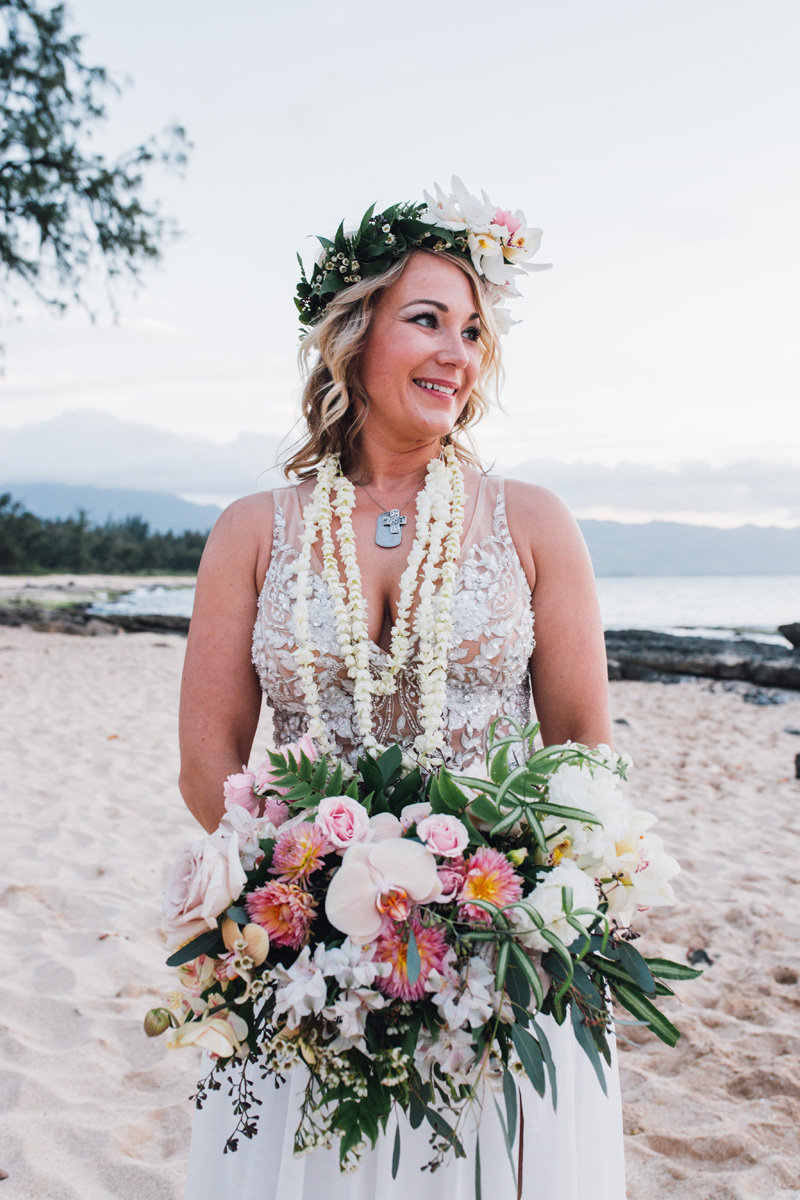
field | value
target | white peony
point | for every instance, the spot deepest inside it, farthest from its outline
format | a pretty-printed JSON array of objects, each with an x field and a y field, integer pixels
[
  {"x": 597, "y": 790},
  {"x": 547, "y": 899},
  {"x": 641, "y": 870}
]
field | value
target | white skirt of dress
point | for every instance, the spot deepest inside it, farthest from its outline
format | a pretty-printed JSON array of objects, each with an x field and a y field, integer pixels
[{"x": 574, "y": 1153}]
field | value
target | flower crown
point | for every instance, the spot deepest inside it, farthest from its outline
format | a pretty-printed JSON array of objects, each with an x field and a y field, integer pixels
[{"x": 496, "y": 241}]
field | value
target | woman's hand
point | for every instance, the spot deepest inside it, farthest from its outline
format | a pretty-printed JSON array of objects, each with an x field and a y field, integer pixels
[
  {"x": 569, "y": 673},
  {"x": 220, "y": 692}
]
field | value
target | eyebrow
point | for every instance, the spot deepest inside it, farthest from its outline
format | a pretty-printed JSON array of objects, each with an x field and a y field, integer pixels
[{"x": 442, "y": 307}]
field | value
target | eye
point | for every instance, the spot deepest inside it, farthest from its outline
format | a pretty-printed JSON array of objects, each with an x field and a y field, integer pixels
[
  {"x": 429, "y": 320},
  {"x": 473, "y": 334}
]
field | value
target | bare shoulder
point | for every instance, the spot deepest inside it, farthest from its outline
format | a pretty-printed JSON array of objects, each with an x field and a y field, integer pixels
[
  {"x": 542, "y": 528},
  {"x": 241, "y": 538}
]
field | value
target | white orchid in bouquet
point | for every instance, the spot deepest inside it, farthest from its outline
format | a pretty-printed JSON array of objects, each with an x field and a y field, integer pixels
[{"x": 398, "y": 935}]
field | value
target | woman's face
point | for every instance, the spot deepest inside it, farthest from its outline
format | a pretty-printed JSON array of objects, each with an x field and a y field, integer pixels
[{"x": 422, "y": 355}]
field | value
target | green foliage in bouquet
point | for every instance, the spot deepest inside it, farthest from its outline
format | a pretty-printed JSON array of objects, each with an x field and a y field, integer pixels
[{"x": 537, "y": 870}]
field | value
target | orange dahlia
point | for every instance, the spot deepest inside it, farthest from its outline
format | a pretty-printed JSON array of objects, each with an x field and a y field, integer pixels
[
  {"x": 489, "y": 877},
  {"x": 284, "y": 910},
  {"x": 299, "y": 852},
  {"x": 392, "y": 947}
]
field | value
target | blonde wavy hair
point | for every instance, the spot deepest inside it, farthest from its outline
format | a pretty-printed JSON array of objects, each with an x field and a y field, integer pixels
[{"x": 334, "y": 403}]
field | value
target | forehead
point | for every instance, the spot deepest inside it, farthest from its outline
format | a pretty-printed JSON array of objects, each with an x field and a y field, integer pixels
[{"x": 430, "y": 278}]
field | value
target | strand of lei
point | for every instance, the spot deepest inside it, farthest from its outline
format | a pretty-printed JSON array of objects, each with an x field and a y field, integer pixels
[{"x": 442, "y": 497}]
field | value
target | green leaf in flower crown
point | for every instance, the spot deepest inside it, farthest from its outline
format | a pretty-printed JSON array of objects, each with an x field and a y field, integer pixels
[
  {"x": 530, "y": 1055},
  {"x": 413, "y": 960},
  {"x": 587, "y": 1044},
  {"x": 332, "y": 282},
  {"x": 637, "y": 968},
  {"x": 209, "y": 942},
  {"x": 362, "y": 229},
  {"x": 665, "y": 968}
]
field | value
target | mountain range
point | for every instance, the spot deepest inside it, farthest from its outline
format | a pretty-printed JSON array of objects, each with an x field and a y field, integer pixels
[{"x": 653, "y": 548}]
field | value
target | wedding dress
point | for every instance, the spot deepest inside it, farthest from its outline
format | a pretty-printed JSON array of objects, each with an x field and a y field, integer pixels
[{"x": 574, "y": 1153}]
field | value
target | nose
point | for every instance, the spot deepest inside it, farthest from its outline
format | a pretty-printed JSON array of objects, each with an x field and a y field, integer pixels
[{"x": 452, "y": 351}]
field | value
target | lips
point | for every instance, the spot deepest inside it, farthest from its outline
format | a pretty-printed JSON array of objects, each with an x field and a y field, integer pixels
[{"x": 437, "y": 387}]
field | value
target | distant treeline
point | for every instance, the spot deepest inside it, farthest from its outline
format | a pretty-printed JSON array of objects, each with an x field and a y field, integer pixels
[{"x": 74, "y": 544}]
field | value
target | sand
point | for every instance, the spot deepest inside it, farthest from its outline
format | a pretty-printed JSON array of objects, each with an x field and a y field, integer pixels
[{"x": 90, "y": 1109}]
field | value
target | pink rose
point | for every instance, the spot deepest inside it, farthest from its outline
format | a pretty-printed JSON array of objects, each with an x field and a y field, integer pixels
[
  {"x": 265, "y": 774},
  {"x": 451, "y": 876},
  {"x": 202, "y": 883},
  {"x": 444, "y": 835},
  {"x": 342, "y": 820},
  {"x": 238, "y": 789},
  {"x": 276, "y": 810}
]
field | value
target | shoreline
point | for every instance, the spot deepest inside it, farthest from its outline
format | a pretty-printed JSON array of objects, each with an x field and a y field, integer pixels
[{"x": 62, "y": 603}]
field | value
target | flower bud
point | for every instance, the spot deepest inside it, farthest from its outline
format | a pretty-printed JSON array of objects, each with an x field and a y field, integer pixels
[
  {"x": 518, "y": 856},
  {"x": 156, "y": 1021}
]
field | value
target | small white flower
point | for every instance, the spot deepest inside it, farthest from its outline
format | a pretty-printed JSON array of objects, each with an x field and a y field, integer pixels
[{"x": 301, "y": 989}]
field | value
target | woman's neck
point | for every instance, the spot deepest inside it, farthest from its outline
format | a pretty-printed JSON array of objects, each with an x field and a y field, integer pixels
[{"x": 390, "y": 468}]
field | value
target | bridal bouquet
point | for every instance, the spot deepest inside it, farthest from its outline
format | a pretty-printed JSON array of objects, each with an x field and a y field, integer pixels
[{"x": 399, "y": 935}]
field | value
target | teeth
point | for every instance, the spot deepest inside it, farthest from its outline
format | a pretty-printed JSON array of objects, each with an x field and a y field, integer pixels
[{"x": 436, "y": 387}]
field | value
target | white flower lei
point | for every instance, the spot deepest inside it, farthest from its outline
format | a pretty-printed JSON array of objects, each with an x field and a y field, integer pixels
[{"x": 440, "y": 524}]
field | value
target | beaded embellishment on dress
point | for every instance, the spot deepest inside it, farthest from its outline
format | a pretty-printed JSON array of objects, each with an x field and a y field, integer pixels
[{"x": 489, "y": 655}]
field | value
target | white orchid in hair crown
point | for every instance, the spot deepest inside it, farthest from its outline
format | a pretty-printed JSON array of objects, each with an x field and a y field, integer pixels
[{"x": 498, "y": 242}]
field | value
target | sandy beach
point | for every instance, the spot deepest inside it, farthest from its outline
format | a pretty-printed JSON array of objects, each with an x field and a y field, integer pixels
[{"x": 91, "y": 1109}]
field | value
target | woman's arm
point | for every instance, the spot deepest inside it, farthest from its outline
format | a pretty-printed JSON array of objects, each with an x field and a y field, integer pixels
[
  {"x": 569, "y": 673},
  {"x": 220, "y": 693}
]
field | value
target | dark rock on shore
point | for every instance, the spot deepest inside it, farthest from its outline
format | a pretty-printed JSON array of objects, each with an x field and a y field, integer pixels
[
  {"x": 77, "y": 619},
  {"x": 791, "y": 633},
  {"x": 642, "y": 654}
]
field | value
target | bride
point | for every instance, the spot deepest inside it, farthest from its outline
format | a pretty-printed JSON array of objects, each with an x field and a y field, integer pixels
[{"x": 402, "y": 348}]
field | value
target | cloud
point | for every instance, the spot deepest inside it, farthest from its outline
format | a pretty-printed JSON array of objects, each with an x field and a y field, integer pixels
[{"x": 745, "y": 490}]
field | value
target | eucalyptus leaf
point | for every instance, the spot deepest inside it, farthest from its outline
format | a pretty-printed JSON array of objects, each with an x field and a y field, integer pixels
[
  {"x": 665, "y": 968},
  {"x": 586, "y": 1042},
  {"x": 636, "y": 967},
  {"x": 530, "y": 1055},
  {"x": 205, "y": 943},
  {"x": 413, "y": 960},
  {"x": 510, "y": 1096}
]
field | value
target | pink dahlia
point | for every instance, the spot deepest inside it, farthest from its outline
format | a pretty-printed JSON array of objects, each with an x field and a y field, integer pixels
[
  {"x": 284, "y": 910},
  {"x": 299, "y": 852},
  {"x": 490, "y": 877},
  {"x": 392, "y": 947}
]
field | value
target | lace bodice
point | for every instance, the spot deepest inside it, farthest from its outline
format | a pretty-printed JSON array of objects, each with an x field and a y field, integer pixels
[{"x": 489, "y": 654}]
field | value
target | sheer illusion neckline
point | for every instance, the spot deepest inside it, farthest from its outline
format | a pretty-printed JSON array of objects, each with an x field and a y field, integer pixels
[{"x": 377, "y": 651}]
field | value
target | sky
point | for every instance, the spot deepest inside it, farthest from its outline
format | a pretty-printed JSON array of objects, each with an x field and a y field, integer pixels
[{"x": 654, "y": 143}]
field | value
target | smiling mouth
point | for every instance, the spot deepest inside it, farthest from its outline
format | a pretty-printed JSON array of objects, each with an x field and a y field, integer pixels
[{"x": 439, "y": 389}]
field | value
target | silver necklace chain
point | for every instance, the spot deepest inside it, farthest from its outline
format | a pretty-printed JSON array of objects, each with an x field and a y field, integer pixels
[{"x": 390, "y": 521}]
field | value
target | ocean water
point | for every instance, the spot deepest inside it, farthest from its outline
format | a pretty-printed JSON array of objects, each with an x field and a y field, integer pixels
[{"x": 707, "y": 605}]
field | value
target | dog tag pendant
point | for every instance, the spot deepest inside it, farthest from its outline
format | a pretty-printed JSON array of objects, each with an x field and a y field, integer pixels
[{"x": 389, "y": 528}]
